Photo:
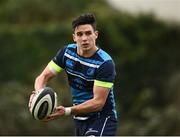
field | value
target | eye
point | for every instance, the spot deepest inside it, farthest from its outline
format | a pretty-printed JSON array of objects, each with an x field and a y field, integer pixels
[
  {"x": 88, "y": 33},
  {"x": 79, "y": 34}
]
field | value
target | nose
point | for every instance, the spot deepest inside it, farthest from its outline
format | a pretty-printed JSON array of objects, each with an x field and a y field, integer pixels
[{"x": 84, "y": 37}]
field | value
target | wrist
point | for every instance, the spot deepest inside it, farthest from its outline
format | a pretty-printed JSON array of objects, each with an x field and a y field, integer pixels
[{"x": 67, "y": 111}]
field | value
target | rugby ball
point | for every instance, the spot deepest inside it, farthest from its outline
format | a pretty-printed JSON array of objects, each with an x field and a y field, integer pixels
[{"x": 43, "y": 103}]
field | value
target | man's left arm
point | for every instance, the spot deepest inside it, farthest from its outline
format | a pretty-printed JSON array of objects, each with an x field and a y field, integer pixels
[
  {"x": 93, "y": 105},
  {"x": 101, "y": 88},
  {"x": 102, "y": 85}
]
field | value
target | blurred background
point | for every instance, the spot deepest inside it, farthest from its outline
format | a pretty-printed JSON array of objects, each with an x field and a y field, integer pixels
[{"x": 142, "y": 36}]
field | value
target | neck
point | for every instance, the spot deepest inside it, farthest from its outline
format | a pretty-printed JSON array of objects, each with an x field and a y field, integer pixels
[{"x": 87, "y": 53}]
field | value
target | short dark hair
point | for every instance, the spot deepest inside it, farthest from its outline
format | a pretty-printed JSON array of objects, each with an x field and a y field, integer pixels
[{"x": 87, "y": 18}]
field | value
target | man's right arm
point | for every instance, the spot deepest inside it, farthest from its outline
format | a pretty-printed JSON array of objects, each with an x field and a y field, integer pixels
[
  {"x": 52, "y": 69},
  {"x": 41, "y": 81},
  {"x": 43, "y": 78}
]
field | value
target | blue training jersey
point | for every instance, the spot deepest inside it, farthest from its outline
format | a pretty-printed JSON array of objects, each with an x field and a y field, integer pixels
[{"x": 83, "y": 73}]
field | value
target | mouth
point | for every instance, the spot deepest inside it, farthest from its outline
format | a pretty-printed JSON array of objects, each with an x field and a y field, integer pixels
[{"x": 85, "y": 45}]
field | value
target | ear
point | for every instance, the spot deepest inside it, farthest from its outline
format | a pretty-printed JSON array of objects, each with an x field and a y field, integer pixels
[
  {"x": 74, "y": 37},
  {"x": 97, "y": 34}
]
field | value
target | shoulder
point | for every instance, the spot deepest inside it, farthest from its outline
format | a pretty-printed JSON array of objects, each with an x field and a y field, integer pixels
[
  {"x": 66, "y": 49},
  {"x": 107, "y": 64},
  {"x": 72, "y": 46},
  {"x": 71, "y": 50},
  {"x": 69, "y": 46},
  {"x": 103, "y": 55}
]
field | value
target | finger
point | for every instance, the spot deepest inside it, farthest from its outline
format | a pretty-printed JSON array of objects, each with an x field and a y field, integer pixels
[
  {"x": 54, "y": 115},
  {"x": 46, "y": 120},
  {"x": 30, "y": 100},
  {"x": 34, "y": 92},
  {"x": 49, "y": 118},
  {"x": 59, "y": 108},
  {"x": 29, "y": 105}
]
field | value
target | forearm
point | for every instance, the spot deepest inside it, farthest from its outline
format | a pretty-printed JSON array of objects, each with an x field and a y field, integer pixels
[
  {"x": 43, "y": 79},
  {"x": 89, "y": 106},
  {"x": 40, "y": 82},
  {"x": 93, "y": 105}
]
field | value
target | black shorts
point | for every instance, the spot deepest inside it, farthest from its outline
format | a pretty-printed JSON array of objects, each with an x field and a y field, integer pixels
[{"x": 102, "y": 125}]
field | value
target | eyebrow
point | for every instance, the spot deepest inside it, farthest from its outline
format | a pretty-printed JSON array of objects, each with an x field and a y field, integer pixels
[{"x": 83, "y": 31}]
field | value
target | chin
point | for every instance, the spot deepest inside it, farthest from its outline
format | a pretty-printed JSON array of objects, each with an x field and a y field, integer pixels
[{"x": 85, "y": 48}]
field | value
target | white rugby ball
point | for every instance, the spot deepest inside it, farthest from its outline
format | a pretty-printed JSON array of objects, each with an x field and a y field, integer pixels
[{"x": 43, "y": 103}]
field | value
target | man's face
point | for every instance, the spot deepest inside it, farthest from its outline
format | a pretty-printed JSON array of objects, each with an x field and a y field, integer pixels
[{"x": 85, "y": 37}]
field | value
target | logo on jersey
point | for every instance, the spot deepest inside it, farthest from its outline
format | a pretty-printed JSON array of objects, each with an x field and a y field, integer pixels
[
  {"x": 90, "y": 71},
  {"x": 69, "y": 63}
]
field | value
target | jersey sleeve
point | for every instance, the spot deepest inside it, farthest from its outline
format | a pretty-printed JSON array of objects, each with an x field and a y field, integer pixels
[
  {"x": 105, "y": 75},
  {"x": 57, "y": 62}
]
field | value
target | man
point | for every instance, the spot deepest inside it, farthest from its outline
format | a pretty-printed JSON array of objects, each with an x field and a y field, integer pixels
[{"x": 91, "y": 73}]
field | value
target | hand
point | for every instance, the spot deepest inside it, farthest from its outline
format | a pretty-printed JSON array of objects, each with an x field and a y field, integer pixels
[
  {"x": 31, "y": 98},
  {"x": 58, "y": 112}
]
